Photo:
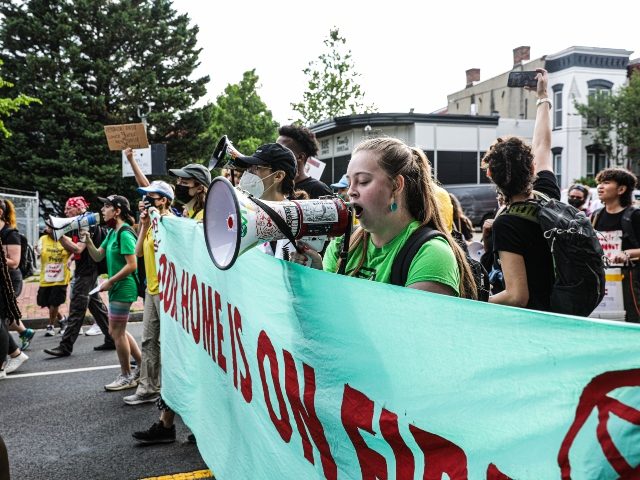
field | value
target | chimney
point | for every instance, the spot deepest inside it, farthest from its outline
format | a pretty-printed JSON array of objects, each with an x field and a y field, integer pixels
[
  {"x": 521, "y": 54},
  {"x": 473, "y": 75}
]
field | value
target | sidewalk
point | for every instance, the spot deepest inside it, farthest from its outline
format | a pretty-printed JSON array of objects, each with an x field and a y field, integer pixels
[{"x": 36, "y": 317}]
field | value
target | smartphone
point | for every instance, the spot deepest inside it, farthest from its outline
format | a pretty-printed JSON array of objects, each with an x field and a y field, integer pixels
[{"x": 522, "y": 79}]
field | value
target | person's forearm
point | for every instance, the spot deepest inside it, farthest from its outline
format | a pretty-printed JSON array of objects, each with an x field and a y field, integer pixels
[
  {"x": 542, "y": 137},
  {"x": 123, "y": 273},
  {"x": 506, "y": 297},
  {"x": 140, "y": 242},
  {"x": 633, "y": 254},
  {"x": 141, "y": 178},
  {"x": 94, "y": 253}
]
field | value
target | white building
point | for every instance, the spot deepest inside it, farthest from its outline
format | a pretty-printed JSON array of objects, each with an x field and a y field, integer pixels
[
  {"x": 574, "y": 75},
  {"x": 456, "y": 138}
]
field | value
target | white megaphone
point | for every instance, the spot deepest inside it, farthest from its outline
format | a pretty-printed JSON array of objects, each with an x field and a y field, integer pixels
[
  {"x": 235, "y": 223},
  {"x": 60, "y": 226}
]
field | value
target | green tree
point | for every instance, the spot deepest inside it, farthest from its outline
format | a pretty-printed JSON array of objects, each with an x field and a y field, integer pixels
[
  {"x": 94, "y": 63},
  {"x": 11, "y": 105},
  {"x": 613, "y": 122},
  {"x": 241, "y": 114},
  {"x": 332, "y": 88}
]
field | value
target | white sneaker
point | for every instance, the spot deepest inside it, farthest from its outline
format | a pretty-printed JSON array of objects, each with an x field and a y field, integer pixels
[
  {"x": 93, "y": 330},
  {"x": 63, "y": 325},
  {"x": 122, "y": 382},
  {"x": 14, "y": 363},
  {"x": 49, "y": 332},
  {"x": 3, "y": 374}
]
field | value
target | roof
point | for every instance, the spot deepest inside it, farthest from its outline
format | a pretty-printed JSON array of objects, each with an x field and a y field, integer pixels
[{"x": 348, "y": 122}]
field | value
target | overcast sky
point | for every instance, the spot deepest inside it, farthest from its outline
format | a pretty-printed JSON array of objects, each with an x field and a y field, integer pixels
[{"x": 409, "y": 54}]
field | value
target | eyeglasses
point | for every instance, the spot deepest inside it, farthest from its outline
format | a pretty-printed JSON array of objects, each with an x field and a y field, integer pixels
[{"x": 254, "y": 168}]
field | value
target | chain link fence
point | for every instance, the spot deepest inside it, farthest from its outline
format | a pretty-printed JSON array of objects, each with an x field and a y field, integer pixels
[{"x": 27, "y": 211}]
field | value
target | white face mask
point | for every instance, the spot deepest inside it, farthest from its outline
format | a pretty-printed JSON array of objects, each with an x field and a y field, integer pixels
[{"x": 252, "y": 184}]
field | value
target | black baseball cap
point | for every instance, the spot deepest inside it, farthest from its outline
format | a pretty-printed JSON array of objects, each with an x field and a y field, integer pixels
[
  {"x": 118, "y": 201},
  {"x": 273, "y": 155},
  {"x": 199, "y": 173}
]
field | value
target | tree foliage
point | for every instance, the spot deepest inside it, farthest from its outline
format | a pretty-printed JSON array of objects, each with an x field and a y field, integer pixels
[
  {"x": 333, "y": 87},
  {"x": 94, "y": 63},
  {"x": 613, "y": 122},
  {"x": 241, "y": 114},
  {"x": 11, "y": 105}
]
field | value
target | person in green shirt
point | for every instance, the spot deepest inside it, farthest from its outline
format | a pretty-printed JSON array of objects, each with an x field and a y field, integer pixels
[
  {"x": 119, "y": 250},
  {"x": 392, "y": 195}
]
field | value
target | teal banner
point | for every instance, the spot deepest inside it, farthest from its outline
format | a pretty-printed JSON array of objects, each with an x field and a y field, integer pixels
[{"x": 282, "y": 371}]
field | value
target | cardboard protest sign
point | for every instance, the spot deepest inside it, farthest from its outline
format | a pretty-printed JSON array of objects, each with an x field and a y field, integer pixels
[{"x": 132, "y": 135}]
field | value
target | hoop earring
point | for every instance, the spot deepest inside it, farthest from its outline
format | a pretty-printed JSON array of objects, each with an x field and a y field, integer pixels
[{"x": 393, "y": 207}]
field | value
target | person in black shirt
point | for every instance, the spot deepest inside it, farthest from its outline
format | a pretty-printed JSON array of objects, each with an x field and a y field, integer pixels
[
  {"x": 615, "y": 189},
  {"x": 302, "y": 142},
  {"x": 517, "y": 170}
]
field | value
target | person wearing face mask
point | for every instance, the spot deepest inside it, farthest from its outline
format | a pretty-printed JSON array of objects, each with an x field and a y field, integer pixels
[
  {"x": 578, "y": 196},
  {"x": 158, "y": 195},
  {"x": 119, "y": 250},
  {"x": 191, "y": 185},
  {"x": 269, "y": 175}
]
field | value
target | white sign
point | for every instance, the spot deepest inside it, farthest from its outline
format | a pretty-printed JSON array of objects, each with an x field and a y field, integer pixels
[
  {"x": 140, "y": 155},
  {"x": 611, "y": 243},
  {"x": 314, "y": 167},
  {"x": 612, "y": 305}
]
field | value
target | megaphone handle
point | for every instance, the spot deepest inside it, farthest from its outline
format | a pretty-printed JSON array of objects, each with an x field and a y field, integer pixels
[{"x": 278, "y": 220}]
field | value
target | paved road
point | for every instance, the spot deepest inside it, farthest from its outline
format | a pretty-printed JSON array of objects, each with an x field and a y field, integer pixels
[{"x": 60, "y": 424}]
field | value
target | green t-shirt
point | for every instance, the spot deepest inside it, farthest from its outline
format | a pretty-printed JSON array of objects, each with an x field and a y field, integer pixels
[
  {"x": 434, "y": 262},
  {"x": 123, "y": 290}
]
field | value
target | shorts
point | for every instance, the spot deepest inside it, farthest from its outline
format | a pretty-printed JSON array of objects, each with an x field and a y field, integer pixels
[
  {"x": 53, "y": 296},
  {"x": 119, "y": 311}
]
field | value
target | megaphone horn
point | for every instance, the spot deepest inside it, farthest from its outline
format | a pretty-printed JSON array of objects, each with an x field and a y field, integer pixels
[
  {"x": 223, "y": 149},
  {"x": 60, "y": 226},
  {"x": 233, "y": 223}
]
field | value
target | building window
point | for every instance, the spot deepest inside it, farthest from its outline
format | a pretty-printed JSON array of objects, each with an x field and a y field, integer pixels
[
  {"x": 557, "y": 106},
  {"x": 557, "y": 167},
  {"x": 596, "y": 162},
  {"x": 597, "y": 88},
  {"x": 557, "y": 163},
  {"x": 557, "y": 109}
]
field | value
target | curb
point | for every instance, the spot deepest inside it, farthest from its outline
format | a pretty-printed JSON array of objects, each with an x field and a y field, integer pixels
[{"x": 40, "y": 323}]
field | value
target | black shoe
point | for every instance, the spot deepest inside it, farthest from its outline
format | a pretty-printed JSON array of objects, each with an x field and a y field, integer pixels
[
  {"x": 156, "y": 434},
  {"x": 105, "y": 346},
  {"x": 57, "y": 352}
]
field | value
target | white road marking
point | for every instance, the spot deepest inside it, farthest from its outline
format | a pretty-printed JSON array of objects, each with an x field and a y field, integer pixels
[{"x": 58, "y": 372}]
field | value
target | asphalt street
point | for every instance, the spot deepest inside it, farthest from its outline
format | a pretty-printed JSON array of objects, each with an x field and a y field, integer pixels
[{"x": 60, "y": 424}]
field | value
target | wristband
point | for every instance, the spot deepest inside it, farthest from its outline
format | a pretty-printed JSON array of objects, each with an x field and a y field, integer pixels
[{"x": 540, "y": 101}]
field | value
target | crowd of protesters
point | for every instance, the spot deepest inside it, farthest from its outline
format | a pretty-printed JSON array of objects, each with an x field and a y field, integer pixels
[{"x": 390, "y": 188}]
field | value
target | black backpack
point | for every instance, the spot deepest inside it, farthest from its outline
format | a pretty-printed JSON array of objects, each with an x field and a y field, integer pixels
[
  {"x": 402, "y": 262},
  {"x": 139, "y": 275},
  {"x": 578, "y": 259},
  {"x": 27, "y": 264}
]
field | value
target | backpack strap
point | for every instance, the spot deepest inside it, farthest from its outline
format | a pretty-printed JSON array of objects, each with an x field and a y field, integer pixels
[
  {"x": 627, "y": 227},
  {"x": 402, "y": 262},
  {"x": 595, "y": 216}
]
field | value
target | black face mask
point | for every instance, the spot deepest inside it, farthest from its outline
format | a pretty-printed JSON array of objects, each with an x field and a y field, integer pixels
[
  {"x": 149, "y": 202},
  {"x": 574, "y": 202},
  {"x": 182, "y": 194}
]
